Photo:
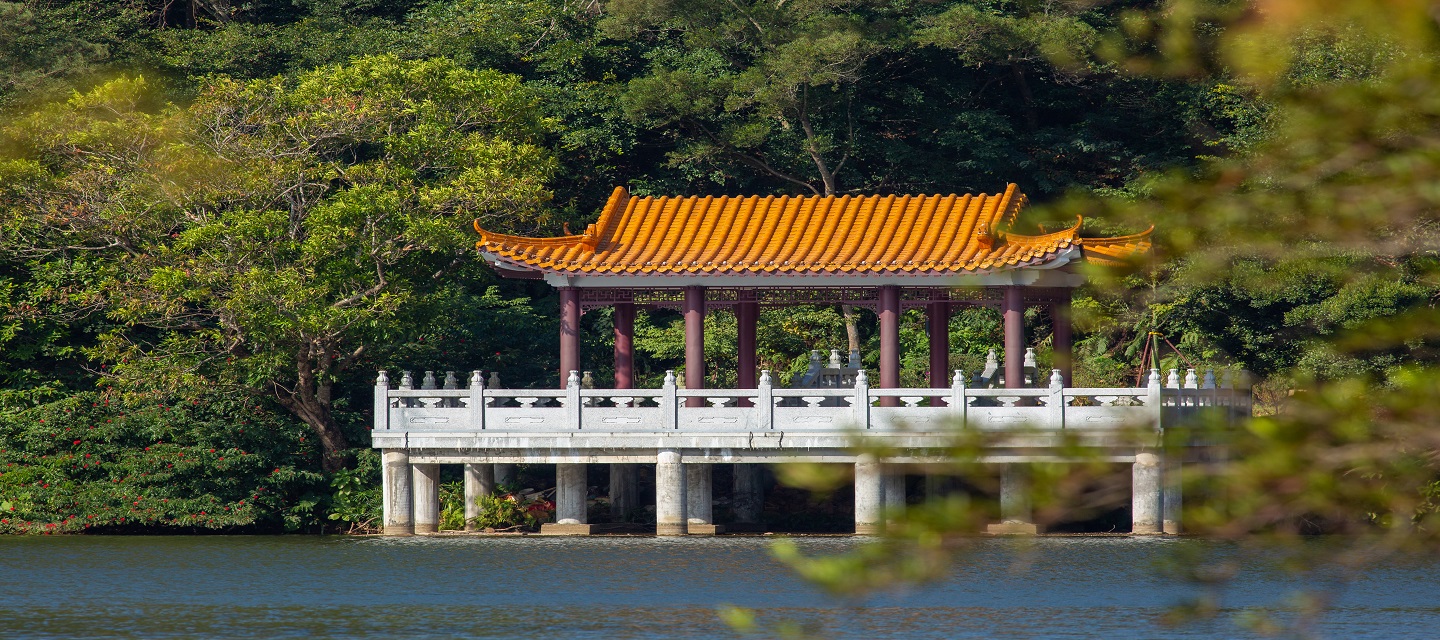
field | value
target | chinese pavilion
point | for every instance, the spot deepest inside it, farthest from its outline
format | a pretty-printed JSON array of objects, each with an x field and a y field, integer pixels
[{"x": 884, "y": 253}]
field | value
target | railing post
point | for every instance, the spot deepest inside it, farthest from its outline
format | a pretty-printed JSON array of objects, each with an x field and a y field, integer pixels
[
  {"x": 765, "y": 403},
  {"x": 860, "y": 409},
  {"x": 669, "y": 403},
  {"x": 959, "y": 404},
  {"x": 477, "y": 400},
  {"x": 572, "y": 399},
  {"x": 1153, "y": 398},
  {"x": 1056, "y": 401},
  {"x": 382, "y": 401}
]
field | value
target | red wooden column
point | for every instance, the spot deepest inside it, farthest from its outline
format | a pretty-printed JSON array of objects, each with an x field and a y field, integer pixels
[
  {"x": 1064, "y": 342},
  {"x": 1012, "y": 308},
  {"x": 889, "y": 312},
  {"x": 569, "y": 332},
  {"x": 694, "y": 342},
  {"x": 624, "y": 316},
  {"x": 938, "y": 313},
  {"x": 747, "y": 314}
]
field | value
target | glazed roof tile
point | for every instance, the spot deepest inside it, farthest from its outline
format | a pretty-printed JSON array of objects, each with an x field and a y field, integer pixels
[{"x": 814, "y": 235}]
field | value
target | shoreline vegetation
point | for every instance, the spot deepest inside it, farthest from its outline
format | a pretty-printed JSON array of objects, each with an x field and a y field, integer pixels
[{"x": 218, "y": 220}]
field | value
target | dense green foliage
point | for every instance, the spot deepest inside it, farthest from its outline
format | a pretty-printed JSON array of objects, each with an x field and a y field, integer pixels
[{"x": 255, "y": 205}]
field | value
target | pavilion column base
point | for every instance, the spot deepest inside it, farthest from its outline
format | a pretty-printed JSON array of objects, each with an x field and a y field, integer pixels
[
  {"x": 1013, "y": 529},
  {"x": 398, "y": 530},
  {"x": 426, "y": 529},
  {"x": 704, "y": 529},
  {"x": 557, "y": 529}
]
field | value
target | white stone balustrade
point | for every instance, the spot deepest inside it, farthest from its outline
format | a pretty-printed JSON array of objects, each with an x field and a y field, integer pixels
[{"x": 766, "y": 418}]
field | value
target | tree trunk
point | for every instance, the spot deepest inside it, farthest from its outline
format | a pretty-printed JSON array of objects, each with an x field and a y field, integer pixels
[
  {"x": 852, "y": 330},
  {"x": 310, "y": 401}
]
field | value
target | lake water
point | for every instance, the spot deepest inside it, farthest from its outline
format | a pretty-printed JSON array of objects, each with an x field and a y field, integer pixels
[{"x": 265, "y": 587}]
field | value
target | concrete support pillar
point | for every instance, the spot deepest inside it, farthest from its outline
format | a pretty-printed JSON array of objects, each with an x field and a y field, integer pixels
[
  {"x": 1173, "y": 498},
  {"x": 504, "y": 474},
  {"x": 624, "y": 345},
  {"x": 479, "y": 481},
  {"x": 1064, "y": 340},
  {"x": 747, "y": 315},
  {"x": 747, "y": 495},
  {"x": 397, "y": 501},
  {"x": 425, "y": 482},
  {"x": 570, "y": 493},
  {"x": 934, "y": 486},
  {"x": 889, "y": 312},
  {"x": 1012, "y": 310},
  {"x": 669, "y": 494},
  {"x": 699, "y": 499},
  {"x": 623, "y": 500},
  {"x": 894, "y": 490},
  {"x": 569, "y": 332},
  {"x": 1015, "y": 513},
  {"x": 1145, "y": 500},
  {"x": 869, "y": 496},
  {"x": 694, "y": 311}
]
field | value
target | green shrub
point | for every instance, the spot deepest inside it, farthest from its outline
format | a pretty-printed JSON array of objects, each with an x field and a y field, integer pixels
[
  {"x": 89, "y": 463},
  {"x": 355, "y": 493}
]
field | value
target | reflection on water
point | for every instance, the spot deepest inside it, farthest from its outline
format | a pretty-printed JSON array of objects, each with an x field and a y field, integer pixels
[{"x": 623, "y": 587}]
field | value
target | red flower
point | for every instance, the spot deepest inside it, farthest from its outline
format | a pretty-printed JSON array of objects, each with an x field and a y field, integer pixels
[{"x": 76, "y": 442}]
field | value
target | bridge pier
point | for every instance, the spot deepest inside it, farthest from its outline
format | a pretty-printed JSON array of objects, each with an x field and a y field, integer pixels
[
  {"x": 1172, "y": 495},
  {"x": 670, "y": 503},
  {"x": 397, "y": 517},
  {"x": 479, "y": 481},
  {"x": 623, "y": 500},
  {"x": 747, "y": 499},
  {"x": 869, "y": 496},
  {"x": 894, "y": 491},
  {"x": 1016, "y": 517},
  {"x": 1146, "y": 495},
  {"x": 571, "y": 518},
  {"x": 700, "y": 500},
  {"x": 425, "y": 482}
]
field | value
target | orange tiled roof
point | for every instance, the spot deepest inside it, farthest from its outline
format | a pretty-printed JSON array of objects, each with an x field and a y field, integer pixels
[{"x": 844, "y": 235}]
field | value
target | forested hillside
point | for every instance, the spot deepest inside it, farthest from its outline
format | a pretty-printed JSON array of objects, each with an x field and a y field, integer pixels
[{"x": 219, "y": 218}]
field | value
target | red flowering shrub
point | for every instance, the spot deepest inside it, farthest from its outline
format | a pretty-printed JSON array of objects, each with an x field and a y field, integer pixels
[{"x": 83, "y": 464}]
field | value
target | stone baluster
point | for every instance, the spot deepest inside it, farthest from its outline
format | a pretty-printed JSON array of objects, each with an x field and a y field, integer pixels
[
  {"x": 451, "y": 382},
  {"x": 426, "y": 384},
  {"x": 494, "y": 381},
  {"x": 407, "y": 383},
  {"x": 1030, "y": 368},
  {"x": 1173, "y": 381}
]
